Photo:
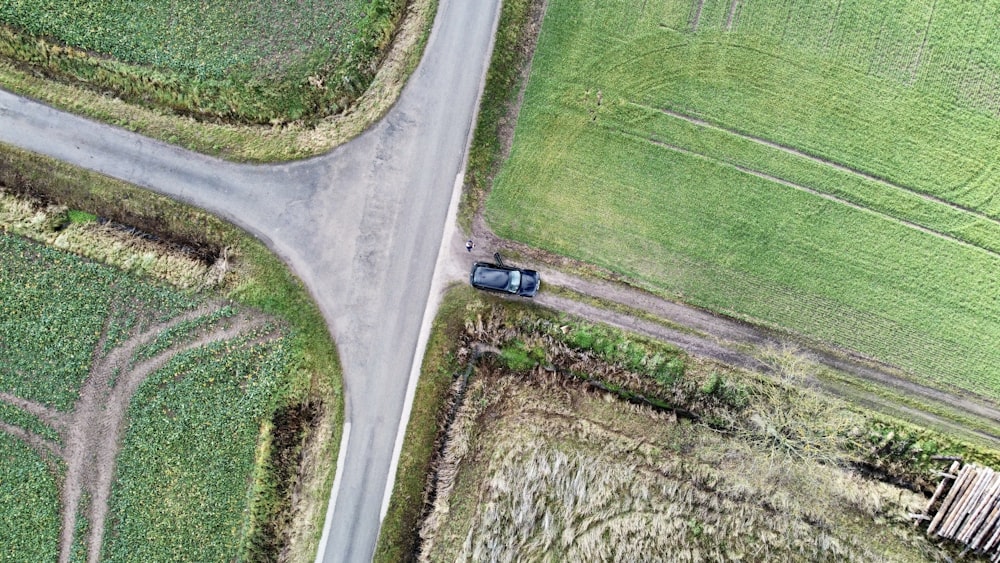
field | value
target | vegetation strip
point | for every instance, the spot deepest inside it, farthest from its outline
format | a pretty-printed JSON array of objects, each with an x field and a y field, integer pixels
[
  {"x": 814, "y": 429},
  {"x": 215, "y": 62},
  {"x": 267, "y": 520}
]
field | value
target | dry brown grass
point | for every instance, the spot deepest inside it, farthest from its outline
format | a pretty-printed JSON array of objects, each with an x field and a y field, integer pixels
[
  {"x": 546, "y": 471},
  {"x": 104, "y": 243}
]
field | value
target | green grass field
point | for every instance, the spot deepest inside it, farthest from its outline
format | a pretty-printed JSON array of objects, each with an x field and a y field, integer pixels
[
  {"x": 186, "y": 474},
  {"x": 829, "y": 168},
  {"x": 29, "y": 504},
  {"x": 248, "y": 60}
]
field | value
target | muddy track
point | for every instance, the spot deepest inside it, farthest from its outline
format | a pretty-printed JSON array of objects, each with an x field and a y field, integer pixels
[{"x": 91, "y": 433}]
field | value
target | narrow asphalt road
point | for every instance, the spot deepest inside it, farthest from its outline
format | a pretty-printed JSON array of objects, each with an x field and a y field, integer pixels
[{"x": 361, "y": 226}]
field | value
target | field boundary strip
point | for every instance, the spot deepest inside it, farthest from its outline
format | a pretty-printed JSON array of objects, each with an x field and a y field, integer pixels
[
  {"x": 806, "y": 189},
  {"x": 823, "y": 161}
]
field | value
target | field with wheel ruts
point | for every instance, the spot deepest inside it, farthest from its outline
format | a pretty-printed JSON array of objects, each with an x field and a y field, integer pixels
[{"x": 826, "y": 168}]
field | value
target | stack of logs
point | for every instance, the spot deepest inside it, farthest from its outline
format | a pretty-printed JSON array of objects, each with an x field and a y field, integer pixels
[{"x": 970, "y": 511}]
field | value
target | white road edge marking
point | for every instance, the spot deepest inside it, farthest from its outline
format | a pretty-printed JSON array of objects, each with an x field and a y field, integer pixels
[
  {"x": 327, "y": 524},
  {"x": 430, "y": 311}
]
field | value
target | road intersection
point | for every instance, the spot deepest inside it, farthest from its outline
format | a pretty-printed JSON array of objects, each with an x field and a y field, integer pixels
[
  {"x": 369, "y": 230},
  {"x": 361, "y": 226}
]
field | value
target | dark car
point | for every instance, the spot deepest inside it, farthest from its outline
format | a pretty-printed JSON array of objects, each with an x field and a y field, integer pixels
[{"x": 498, "y": 277}]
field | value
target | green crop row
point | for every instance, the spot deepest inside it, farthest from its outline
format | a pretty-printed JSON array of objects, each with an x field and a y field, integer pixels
[
  {"x": 182, "y": 489},
  {"x": 16, "y": 417},
  {"x": 29, "y": 504},
  {"x": 592, "y": 176},
  {"x": 249, "y": 61},
  {"x": 53, "y": 306}
]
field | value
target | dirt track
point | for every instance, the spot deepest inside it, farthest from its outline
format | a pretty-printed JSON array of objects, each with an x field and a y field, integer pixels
[
  {"x": 723, "y": 339},
  {"x": 91, "y": 434}
]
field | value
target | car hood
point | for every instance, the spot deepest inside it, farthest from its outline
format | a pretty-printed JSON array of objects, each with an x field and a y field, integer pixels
[{"x": 530, "y": 282}]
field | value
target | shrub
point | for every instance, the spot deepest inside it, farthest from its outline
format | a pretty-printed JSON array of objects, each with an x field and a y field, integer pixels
[{"x": 518, "y": 358}]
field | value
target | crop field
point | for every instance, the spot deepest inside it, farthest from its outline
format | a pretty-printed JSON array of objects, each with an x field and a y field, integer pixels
[
  {"x": 553, "y": 473},
  {"x": 131, "y": 414},
  {"x": 247, "y": 60},
  {"x": 823, "y": 167}
]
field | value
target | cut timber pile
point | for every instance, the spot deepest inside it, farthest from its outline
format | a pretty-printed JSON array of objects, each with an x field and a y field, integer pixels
[{"x": 970, "y": 511}]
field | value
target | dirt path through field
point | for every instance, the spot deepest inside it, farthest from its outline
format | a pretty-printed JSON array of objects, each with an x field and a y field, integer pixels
[
  {"x": 91, "y": 434},
  {"x": 709, "y": 335}
]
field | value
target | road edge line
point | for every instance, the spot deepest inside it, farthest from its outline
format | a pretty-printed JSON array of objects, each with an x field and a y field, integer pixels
[
  {"x": 430, "y": 311},
  {"x": 345, "y": 437},
  {"x": 434, "y": 297}
]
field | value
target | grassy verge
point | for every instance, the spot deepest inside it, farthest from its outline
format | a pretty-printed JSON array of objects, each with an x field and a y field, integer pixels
[
  {"x": 511, "y": 51},
  {"x": 880, "y": 398},
  {"x": 255, "y": 278},
  {"x": 254, "y": 143},
  {"x": 896, "y": 405},
  {"x": 398, "y": 536}
]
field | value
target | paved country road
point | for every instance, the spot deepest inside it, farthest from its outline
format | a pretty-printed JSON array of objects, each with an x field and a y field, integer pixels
[{"x": 361, "y": 226}]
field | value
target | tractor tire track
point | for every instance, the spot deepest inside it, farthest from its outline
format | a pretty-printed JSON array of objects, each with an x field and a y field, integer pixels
[{"x": 826, "y": 162}]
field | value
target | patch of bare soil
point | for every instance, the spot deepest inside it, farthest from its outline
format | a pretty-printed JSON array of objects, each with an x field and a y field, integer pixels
[{"x": 91, "y": 433}]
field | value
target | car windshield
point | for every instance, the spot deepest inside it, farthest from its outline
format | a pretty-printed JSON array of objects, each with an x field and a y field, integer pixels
[{"x": 515, "y": 281}]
